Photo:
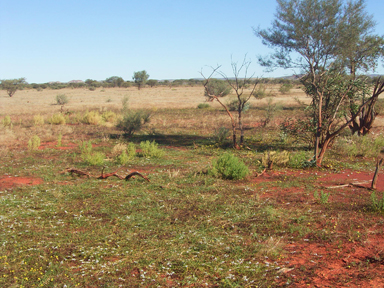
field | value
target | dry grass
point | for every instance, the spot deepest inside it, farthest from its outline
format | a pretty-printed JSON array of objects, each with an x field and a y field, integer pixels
[{"x": 31, "y": 101}]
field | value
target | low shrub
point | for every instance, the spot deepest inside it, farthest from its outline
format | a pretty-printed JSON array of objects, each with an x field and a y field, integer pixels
[
  {"x": 363, "y": 146},
  {"x": 85, "y": 147},
  {"x": 38, "y": 120},
  {"x": 92, "y": 118},
  {"x": 203, "y": 106},
  {"x": 7, "y": 122},
  {"x": 300, "y": 160},
  {"x": 285, "y": 88},
  {"x": 57, "y": 119},
  {"x": 228, "y": 166},
  {"x": 133, "y": 121},
  {"x": 109, "y": 116},
  {"x": 94, "y": 159},
  {"x": 232, "y": 105},
  {"x": 151, "y": 149},
  {"x": 34, "y": 143},
  {"x": 220, "y": 135},
  {"x": 377, "y": 204},
  {"x": 260, "y": 92},
  {"x": 279, "y": 159},
  {"x": 61, "y": 99},
  {"x": 322, "y": 198}
]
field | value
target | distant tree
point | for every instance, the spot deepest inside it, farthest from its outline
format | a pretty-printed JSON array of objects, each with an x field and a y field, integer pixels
[
  {"x": 216, "y": 88},
  {"x": 12, "y": 85},
  {"x": 140, "y": 78},
  {"x": 152, "y": 82},
  {"x": 317, "y": 33},
  {"x": 115, "y": 81}
]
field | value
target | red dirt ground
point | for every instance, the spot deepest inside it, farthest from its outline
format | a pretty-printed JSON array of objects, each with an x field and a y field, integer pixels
[{"x": 8, "y": 182}]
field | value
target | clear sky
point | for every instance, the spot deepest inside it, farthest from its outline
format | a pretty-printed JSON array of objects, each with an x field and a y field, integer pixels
[{"x": 63, "y": 40}]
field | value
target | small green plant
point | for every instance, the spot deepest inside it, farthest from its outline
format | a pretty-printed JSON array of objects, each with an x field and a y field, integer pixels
[
  {"x": 133, "y": 121},
  {"x": 123, "y": 158},
  {"x": 151, "y": 149},
  {"x": 85, "y": 147},
  {"x": 270, "y": 158},
  {"x": 234, "y": 106},
  {"x": 124, "y": 103},
  {"x": 122, "y": 152},
  {"x": 92, "y": 88},
  {"x": 228, "y": 166},
  {"x": 59, "y": 140},
  {"x": 131, "y": 150},
  {"x": 109, "y": 116},
  {"x": 57, "y": 119},
  {"x": 285, "y": 88},
  {"x": 270, "y": 111},
  {"x": 95, "y": 159},
  {"x": 61, "y": 99},
  {"x": 300, "y": 160},
  {"x": 220, "y": 135},
  {"x": 260, "y": 92},
  {"x": 377, "y": 204},
  {"x": 7, "y": 121},
  {"x": 38, "y": 120},
  {"x": 92, "y": 118},
  {"x": 34, "y": 143},
  {"x": 322, "y": 198},
  {"x": 203, "y": 106}
]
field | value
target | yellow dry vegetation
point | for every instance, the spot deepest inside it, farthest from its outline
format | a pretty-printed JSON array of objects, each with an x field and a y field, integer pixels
[{"x": 31, "y": 101}]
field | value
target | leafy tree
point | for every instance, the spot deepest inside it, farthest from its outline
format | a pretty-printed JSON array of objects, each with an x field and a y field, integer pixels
[
  {"x": 152, "y": 82},
  {"x": 115, "y": 81},
  {"x": 314, "y": 32},
  {"x": 140, "y": 78},
  {"x": 216, "y": 88},
  {"x": 12, "y": 85}
]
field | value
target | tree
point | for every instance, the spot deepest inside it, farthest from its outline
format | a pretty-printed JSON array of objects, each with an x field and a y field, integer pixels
[
  {"x": 140, "y": 78},
  {"x": 315, "y": 33},
  {"x": 152, "y": 82},
  {"x": 115, "y": 81},
  {"x": 12, "y": 85},
  {"x": 214, "y": 90}
]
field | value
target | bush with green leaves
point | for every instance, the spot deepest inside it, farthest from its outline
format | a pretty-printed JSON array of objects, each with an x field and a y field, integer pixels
[
  {"x": 34, "y": 143},
  {"x": 260, "y": 92},
  {"x": 57, "y": 119},
  {"x": 109, "y": 116},
  {"x": 151, "y": 149},
  {"x": 285, "y": 88},
  {"x": 92, "y": 118},
  {"x": 280, "y": 159},
  {"x": 322, "y": 198},
  {"x": 228, "y": 166},
  {"x": 7, "y": 122},
  {"x": 363, "y": 146},
  {"x": 133, "y": 121},
  {"x": 61, "y": 99},
  {"x": 300, "y": 160},
  {"x": 96, "y": 159},
  {"x": 216, "y": 87},
  {"x": 377, "y": 204},
  {"x": 233, "y": 105},
  {"x": 203, "y": 106},
  {"x": 220, "y": 135},
  {"x": 123, "y": 153}
]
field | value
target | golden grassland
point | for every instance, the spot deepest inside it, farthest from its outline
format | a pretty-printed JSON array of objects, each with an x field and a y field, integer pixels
[{"x": 31, "y": 101}]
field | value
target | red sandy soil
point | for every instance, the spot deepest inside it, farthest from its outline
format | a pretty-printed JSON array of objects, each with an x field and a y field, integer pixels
[
  {"x": 8, "y": 182},
  {"x": 53, "y": 145}
]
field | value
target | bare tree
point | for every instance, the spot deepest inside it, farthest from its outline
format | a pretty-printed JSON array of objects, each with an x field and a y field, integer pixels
[{"x": 243, "y": 87}]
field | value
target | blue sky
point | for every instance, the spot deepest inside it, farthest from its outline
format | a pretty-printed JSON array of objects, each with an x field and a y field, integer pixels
[{"x": 77, "y": 40}]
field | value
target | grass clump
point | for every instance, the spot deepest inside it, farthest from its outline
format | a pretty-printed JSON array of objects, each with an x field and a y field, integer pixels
[
  {"x": 377, "y": 204},
  {"x": 34, "y": 143},
  {"x": 38, "y": 120},
  {"x": 322, "y": 198},
  {"x": 123, "y": 153},
  {"x": 363, "y": 146},
  {"x": 280, "y": 159},
  {"x": 203, "y": 106},
  {"x": 7, "y": 122},
  {"x": 220, "y": 135},
  {"x": 94, "y": 159},
  {"x": 92, "y": 118},
  {"x": 228, "y": 166},
  {"x": 133, "y": 121},
  {"x": 285, "y": 88},
  {"x": 109, "y": 116},
  {"x": 61, "y": 99},
  {"x": 151, "y": 150},
  {"x": 57, "y": 119}
]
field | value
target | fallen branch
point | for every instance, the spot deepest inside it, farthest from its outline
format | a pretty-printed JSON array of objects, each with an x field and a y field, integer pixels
[
  {"x": 104, "y": 176},
  {"x": 357, "y": 184},
  {"x": 262, "y": 172}
]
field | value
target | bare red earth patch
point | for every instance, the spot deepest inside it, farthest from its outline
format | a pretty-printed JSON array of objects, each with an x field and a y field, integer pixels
[
  {"x": 53, "y": 145},
  {"x": 8, "y": 182}
]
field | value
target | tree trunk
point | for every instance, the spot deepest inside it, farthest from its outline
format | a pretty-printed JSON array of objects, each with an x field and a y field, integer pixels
[
  {"x": 241, "y": 127},
  {"x": 318, "y": 132}
]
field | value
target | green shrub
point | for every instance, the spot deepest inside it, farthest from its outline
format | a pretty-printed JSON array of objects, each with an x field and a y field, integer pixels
[
  {"x": 150, "y": 149},
  {"x": 364, "y": 146},
  {"x": 92, "y": 117},
  {"x": 203, "y": 106},
  {"x": 260, "y": 92},
  {"x": 220, "y": 135},
  {"x": 7, "y": 122},
  {"x": 122, "y": 153},
  {"x": 131, "y": 150},
  {"x": 377, "y": 204},
  {"x": 285, "y": 88},
  {"x": 57, "y": 119},
  {"x": 228, "y": 166},
  {"x": 133, "y": 121},
  {"x": 38, "y": 120},
  {"x": 109, "y": 116},
  {"x": 123, "y": 158},
  {"x": 300, "y": 160},
  {"x": 61, "y": 99},
  {"x": 34, "y": 143},
  {"x": 232, "y": 105},
  {"x": 322, "y": 198},
  {"x": 217, "y": 87},
  {"x": 279, "y": 159},
  {"x": 94, "y": 158},
  {"x": 85, "y": 147}
]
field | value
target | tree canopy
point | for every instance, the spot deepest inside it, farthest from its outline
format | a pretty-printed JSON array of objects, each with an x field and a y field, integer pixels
[
  {"x": 12, "y": 85},
  {"x": 140, "y": 78}
]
